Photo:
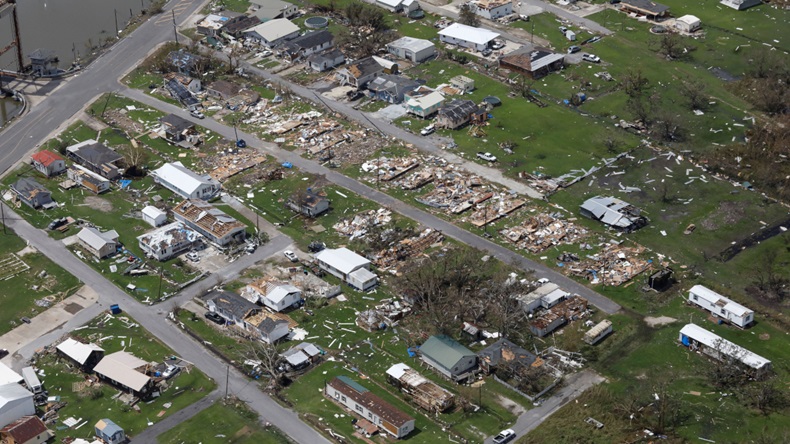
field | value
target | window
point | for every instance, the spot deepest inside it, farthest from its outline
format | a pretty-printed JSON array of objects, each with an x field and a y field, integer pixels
[
  {"x": 370, "y": 415},
  {"x": 358, "y": 407},
  {"x": 343, "y": 398},
  {"x": 337, "y": 395},
  {"x": 723, "y": 311},
  {"x": 696, "y": 298}
]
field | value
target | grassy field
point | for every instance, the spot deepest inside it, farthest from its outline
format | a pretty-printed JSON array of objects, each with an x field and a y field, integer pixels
[
  {"x": 220, "y": 424},
  {"x": 19, "y": 296},
  {"x": 94, "y": 403}
]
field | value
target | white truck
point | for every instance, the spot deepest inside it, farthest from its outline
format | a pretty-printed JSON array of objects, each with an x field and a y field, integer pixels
[{"x": 487, "y": 156}]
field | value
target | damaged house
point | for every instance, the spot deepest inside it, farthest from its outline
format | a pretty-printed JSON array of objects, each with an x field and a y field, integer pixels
[
  {"x": 265, "y": 10},
  {"x": 302, "y": 355},
  {"x": 306, "y": 45},
  {"x": 97, "y": 158},
  {"x": 88, "y": 179},
  {"x": 237, "y": 25},
  {"x": 424, "y": 105},
  {"x": 360, "y": 73},
  {"x": 505, "y": 352},
  {"x": 191, "y": 84},
  {"x": 181, "y": 93},
  {"x": 391, "y": 88},
  {"x": 247, "y": 316},
  {"x": 545, "y": 296},
  {"x": 186, "y": 183},
  {"x": 310, "y": 203},
  {"x": 554, "y": 318},
  {"x": 534, "y": 62},
  {"x": 697, "y": 338},
  {"x": 424, "y": 392},
  {"x": 168, "y": 241},
  {"x": 455, "y": 114},
  {"x": 614, "y": 213},
  {"x": 375, "y": 412},
  {"x": 85, "y": 356},
  {"x": 326, "y": 60},
  {"x": 179, "y": 130},
  {"x": 223, "y": 90},
  {"x": 216, "y": 226},
  {"x": 273, "y": 294},
  {"x": 184, "y": 62},
  {"x": 32, "y": 193}
]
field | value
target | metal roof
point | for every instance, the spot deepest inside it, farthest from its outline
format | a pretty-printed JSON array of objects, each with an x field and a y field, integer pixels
[
  {"x": 342, "y": 259},
  {"x": 77, "y": 350},
  {"x": 8, "y": 375},
  {"x": 96, "y": 239},
  {"x": 478, "y": 36},
  {"x": 608, "y": 211},
  {"x": 411, "y": 44},
  {"x": 120, "y": 367},
  {"x": 444, "y": 350},
  {"x": 13, "y": 392},
  {"x": 183, "y": 178},
  {"x": 714, "y": 341},
  {"x": 274, "y": 29},
  {"x": 716, "y": 299},
  {"x": 280, "y": 292}
]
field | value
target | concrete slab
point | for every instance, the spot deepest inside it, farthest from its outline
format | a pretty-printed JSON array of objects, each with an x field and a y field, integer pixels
[{"x": 390, "y": 113}]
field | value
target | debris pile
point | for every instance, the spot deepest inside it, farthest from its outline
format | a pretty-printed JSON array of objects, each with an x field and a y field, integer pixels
[
  {"x": 385, "y": 314},
  {"x": 498, "y": 206},
  {"x": 227, "y": 165},
  {"x": 542, "y": 231},
  {"x": 358, "y": 226},
  {"x": 566, "y": 311},
  {"x": 387, "y": 169},
  {"x": 615, "y": 265},
  {"x": 407, "y": 248}
]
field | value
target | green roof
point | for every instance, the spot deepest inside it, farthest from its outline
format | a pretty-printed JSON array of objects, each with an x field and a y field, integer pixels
[
  {"x": 445, "y": 350},
  {"x": 353, "y": 384}
]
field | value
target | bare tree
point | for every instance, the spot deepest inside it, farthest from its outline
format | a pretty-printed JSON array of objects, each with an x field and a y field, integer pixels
[
  {"x": 668, "y": 126},
  {"x": 641, "y": 110},
  {"x": 765, "y": 396},
  {"x": 135, "y": 157},
  {"x": 635, "y": 83},
  {"x": 466, "y": 16},
  {"x": 268, "y": 359},
  {"x": 694, "y": 93},
  {"x": 670, "y": 46}
]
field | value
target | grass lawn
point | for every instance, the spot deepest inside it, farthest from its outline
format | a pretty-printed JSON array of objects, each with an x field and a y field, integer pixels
[
  {"x": 18, "y": 297},
  {"x": 547, "y": 26},
  {"x": 220, "y": 423},
  {"x": 94, "y": 403}
]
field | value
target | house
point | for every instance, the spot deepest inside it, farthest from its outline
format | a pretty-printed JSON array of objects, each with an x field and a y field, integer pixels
[
  {"x": 177, "y": 129},
  {"x": 505, "y": 352},
  {"x": 248, "y": 316},
  {"x": 25, "y": 430},
  {"x": 535, "y": 62},
  {"x": 308, "y": 44},
  {"x": 125, "y": 371},
  {"x": 216, "y": 226},
  {"x": 265, "y": 10},
  {"x": 697, "y": 338},
  {"x": 399, "y": 6},
  {"x": 97, "y": 158},
  {"x": 97, "y": 243},
  {"x": 154, "y": 216},
  {"x": 352, "y": 268},
  {"x": 237, "y": 25},
  {"x": 302, "y": 355},
  {"x": 86, "y": 356},
  {"x": 425, "y": 106},
  {"x": 369, "y": 407},
  {"x": 88, "y": 179},
  {"x": 491, "y": 9},
  {"x": 647, "y": 8},
  {"x": 360, "y": 73},
  {"x": 465, "y": 36},
  {"x": 412, "y": 49},
  {"x": 191, "y": 84},
  {"x": 598, "y": 332},
  {"x": 463, "y": 83},
  {"x": 740, "y": 5},
  {"x": 448, "y": 357},
  {"x": 184, "y": 62},
  {"x": 15, "y": 402},
  {"x": 267, "y": 327},
  {"x": 109, "y": 432},
  {"x": 278, "y": 295},
  {"x": 167, "y": 242},
  {"x": 223, "y": 89},
  {"x": 182, "y": 94},
  {"x": 688, "y": 23},
  {"x": 8, "y": 375},
  {"x": 455, "y": 114},
  {"x": 545, "y": 296},
  {"x": 424, "y": 392},
  {"x": 48, "y": 163},
  {"x": 391, "y": 88},
  {"x": 32, "y": 193},
  {"x": 557, "y": 316},
  {"x": 211, "y": 25},
  {"x": 613, "y": 212},
  {"x": 186, "y": 183},
  {"x": 720, "y": 306},
  {"x": 326, "y": 60},
  {"x": 310, "y": 203},
  {"x": 273, "y": 32}
]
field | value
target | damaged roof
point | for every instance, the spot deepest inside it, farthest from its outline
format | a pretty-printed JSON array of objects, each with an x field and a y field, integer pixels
[
  {"x": 393, "y": 84},
  {"x": 505, "y": 351},
  {"x": 611, "y": 211},
  {"x": 376, "y": 405},
  {"x": 532, "y": 59},
  {"x": 175, "y": 123},
  {"x": 457, "y": 110}
]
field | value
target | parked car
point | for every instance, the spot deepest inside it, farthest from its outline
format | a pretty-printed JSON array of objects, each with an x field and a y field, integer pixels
[
  {"x": 543, "y": 281},
  {"x": 171, "y": 371},
  {"x": 214, "y": 317},
  {"x": 487, "y": 156},
  {"x": 430, "y": 129},
  {"x": 591, "y": 58},
  {"x": 574, "y": 49},
  {"x": 192, "y": 256},
  {"x": 504, "y": 436},
  {"x": 563, "y": 29},
  {"x": 290, "y": 255},
  {"x": 26, "y": 320},
  {"x": 196, "y": 114},
  {"x": 486, "y": 52},
  {"x": 498, "y": 44}
]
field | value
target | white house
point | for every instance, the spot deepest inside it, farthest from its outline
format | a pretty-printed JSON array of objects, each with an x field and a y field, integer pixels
[
  {"x": 280, "y": 296},
  {"x": 721, "y": 306},
  {"x": 373, "y": 410},
  {"x": 491, "y": 9},
  {"x": 15, "y": 402},
  {"x": 273, "y": 32},
  {"x": 326, "y": 60},
  {"x": 740, "y": 4},
  {"x": 467, "y": 36},
  {"x": 398, "y": 6},
  {"x": 97, "y": 243},
  {"x": 168, "y": 241},
  {"x": 348, "y": 266},
  {"x": 273, "y": 9},
  {"x": 409, "y": 48},
  {"x": 185, "y": 182},
  {"x": 8, "y": 375},
  {"x": 688, "y": 23},
  {"x": 697, "y": 338},
  {"x": 216, "y": 226},
  {"x": 154, "y": 216}
]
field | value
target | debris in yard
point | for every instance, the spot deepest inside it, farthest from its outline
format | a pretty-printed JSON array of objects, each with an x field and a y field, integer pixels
[
  {"x": 614, "y": 265},
  {"x": 359, "y": 225},
  {"x": 543, "y": 231}
]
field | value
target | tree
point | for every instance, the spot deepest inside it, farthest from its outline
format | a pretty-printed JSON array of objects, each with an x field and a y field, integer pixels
[
  {"x": 134, "y": 157},
  {"x": 667, "y": 126},
  {"x": 466, "y": 16},
  {"x": 694, "y": 93},
  {"x": 765, "y": 396},
  {"x": 635, "y": 83},
  {"x": 768, "y": 277},
  {"x": 267, "y": 359},
  {"x": 641, "y": 110},
  {"x": 670, "y": 46},
  {"x": 522, "y": 86}
]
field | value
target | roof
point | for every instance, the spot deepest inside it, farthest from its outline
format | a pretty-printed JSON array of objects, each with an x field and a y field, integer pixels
[
  {"x": 28, "y": 187},
  {"x": 398, "y": 370},
  {"x": 269, "y": 9},
  {"x": 426, "y": 101},
  {"x": 213, "y": 21},
  {"x": 411, "y": 44},
  {"x": 712, "y": 340},
  {"x": 342, "y": 259},
  {"x": 94, "y": 152},
  {"x": 178, "y": 124},
  {"x": 599, "y": 328},
  {"x": 108, "y": 427},
  {"x": 8, "y": 375},
  {"x": 120, "y": 367},
  {"x": 232, "y": 303},
  {"x": 183, "y": 178},
  {"x": 532, "y": 59},
  {"x": 225, "y": 88},
  {"x": 204, "y": 215},
  {"x": 165, "y": 236},
  {"x": 95, "y": 238},
  {"x": 647, "y": 5},
  {"x": 365, "y": 67},
  {"x": 609, "y": 211},
  {"x": 13, "y": 392},
  {"x": 153, "y": 212},
  {"x": 182, "y": 59},
  {"x": 274, "y": 29},
  {"x": 42, "y": 54},
  {"x": 180, "y": 92},
  {"x": 504, "y": 350},
  {"x": 716, "y": 299},
  {"x": 390, "y": 3},
  {"x": 280, "y": 292},
  {"x": 77, "y": 350},
  {"x": 295, "y": 357},
  {"x": 444, "y": 350},
  {"x": 478, "y": 36},
  {"x": 362, "y": 275},
  {"x": 240, "y": 23},
  {"x": 46, "y": 157},
  {"x": 329, "y": 56},
  {"x": 458, "y": 109},
  {"x": 555, "y": 295},
  {"x": 24, "y": 429},
  {"x": 392, "y": 83},
  {"x": 361, "y": 395},
  {"x": 689, "y": 19},
  {"x": 312, "y": 39}
]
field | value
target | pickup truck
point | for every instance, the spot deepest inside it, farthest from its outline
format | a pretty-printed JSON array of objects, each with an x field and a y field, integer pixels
[{"x": 487, "y": 156}]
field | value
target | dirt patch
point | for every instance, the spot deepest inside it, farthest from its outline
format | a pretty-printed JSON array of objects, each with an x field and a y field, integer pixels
[
  {"x": 765, "y": 336},
  {"x": 98, "y": 203},
  {"x": 511, "y": 405},
  {"x": 26, "y": 250},
  {"x": 659, "y": 321},
  {"x": 728, "y": 213}
]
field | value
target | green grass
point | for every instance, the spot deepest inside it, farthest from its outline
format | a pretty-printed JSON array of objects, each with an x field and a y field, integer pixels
[
  {"x": 185, "y": 388},
  {"x": 547, "y": 26},
  {"x": 220, "y": 423}
]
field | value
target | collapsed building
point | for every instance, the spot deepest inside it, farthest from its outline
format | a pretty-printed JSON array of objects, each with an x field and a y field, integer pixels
[
  {"x": 614, "y": 212},
  {"x": 566, "y": 311},
  {"x": 543, "y": 231},
  {"x": 168, "y": 241},
  {"x": 425, "y": 393},
  {"x": 615, "y": 265}
]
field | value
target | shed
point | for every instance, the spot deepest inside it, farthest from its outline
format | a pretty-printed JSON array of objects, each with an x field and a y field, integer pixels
[
  {"x": 153, "y": 216},
  {"x": 448, "y": 357},
  {"x": 15, "y": 402},
  {"x": 463, "y": 83},
  {"x": 412, "y": 49},
  {"x": 688, "y": 23},
  {"x": 86, "y": 356},
  {"x": 109, "y": 432}
]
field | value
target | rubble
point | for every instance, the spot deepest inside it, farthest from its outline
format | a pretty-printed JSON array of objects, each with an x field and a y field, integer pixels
[
  {"x": 566, "y": 311},
  {"x": 387, "y": 169},
  {"x": 407, "y": 248},
  {"x": 614, "y": 265},
  {"x": 358, "y": 226},
  {"x": 225, "y": 166},
  {"x": 542, "y": 231},
  {"x": 385, "y": 314}
]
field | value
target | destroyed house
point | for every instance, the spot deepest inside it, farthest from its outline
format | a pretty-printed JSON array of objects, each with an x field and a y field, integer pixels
[
  {"x": 302, "y": 355},
  {"x": 535, "y": 63},
  {"x": 177, "y": 129},
  {"x": 448, "y": 357},
  {"x": 455, "y": 114},
  {"x": 234, "y": 308},
  {"x": 97, "y": 158},
  {"x": 424, "y": 392},
  {"x": 15, "y": 402},
  {"x": 344, "y": 264},
  {"x": 182, "y": 61},
  {"x": 211, "y": 24},
  {"x": 647, "y": 8},
  {"x": 48, "y": 163},
  {"x": 223, "y": 89},
  {"x": 360, "y": 73},
  {"x": 614, "y": 213},
  {"x": 307, "y": 44},
  {"x": 697, "y": 338},
  {"x": 216, "y": 226},
  {"x": 125, "y": 371},
  {"x": 25, "y": 430},
  {"x": 192, "y": 84},
  {"x": 97, "y": 243},
  {"x": 181, "y": 93},
  {"x": 504, "y": 352},
  {"x": 326, "y": 60},
  {"x": 267, "y": 327},
  {"x": 86, "y": 356},
  {"x": 720, "y": 306},
  {"x": 557, "y": 316},
  {"x": 88, "y": 179},
  {"x": 391, "y": 88},
  {"x": 186, "y": 183},
  {"x": 370, "y": 407},
  {"x": 32, "y": 193},
  {"x": 412, "y": 49},
  {"x": 545, "y": 296},
  {"x": 310, "y": 203},
  {"x": 167, "y": 242},
  {"x": 235, "y": 26}
]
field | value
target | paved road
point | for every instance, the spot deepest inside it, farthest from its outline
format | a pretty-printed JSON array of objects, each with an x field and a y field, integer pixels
[{"x": 385, "y": 200}]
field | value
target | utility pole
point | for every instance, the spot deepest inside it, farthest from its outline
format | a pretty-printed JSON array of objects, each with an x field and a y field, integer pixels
[
  {"x": 227, "y": 378},
  {"x": 109, "y": 96},
  {"x": 532, "y": 33},
  {"x": 2, "y": 215},
  {"x": 116, "y": 23},
  {"x": 175, "y": 30},
  {"x": 159, "y": 292}
]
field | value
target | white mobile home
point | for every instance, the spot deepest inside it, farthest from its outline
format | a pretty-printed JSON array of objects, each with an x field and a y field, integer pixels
[
  {"x": 697, "y": 338},
  {"x": 721, "y": 306},
  {"x": 348, "y": 266},
  {"x": 598, "y": 332}
]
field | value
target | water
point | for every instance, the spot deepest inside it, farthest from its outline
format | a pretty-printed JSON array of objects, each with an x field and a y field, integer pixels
[{"x": 8, "y": 108}]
